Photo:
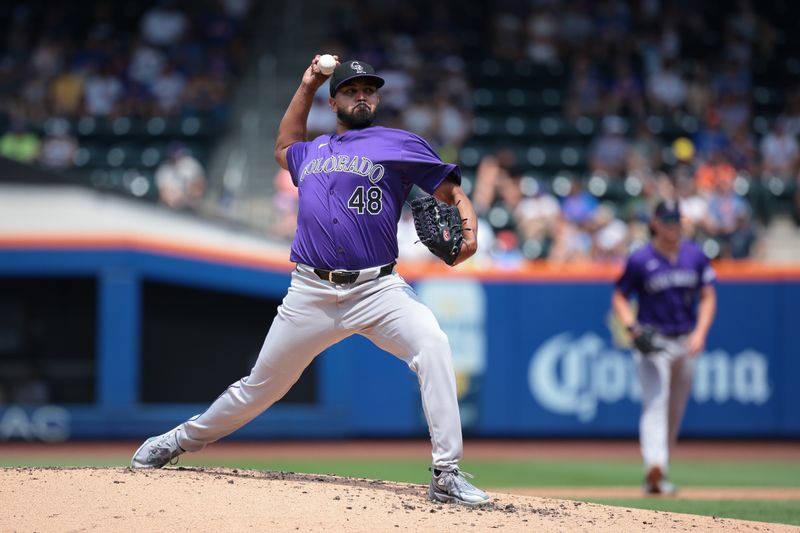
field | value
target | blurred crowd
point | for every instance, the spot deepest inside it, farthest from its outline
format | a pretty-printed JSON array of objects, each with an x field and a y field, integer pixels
[
  {"x": 62, "y": 62},
  {"x": 725, "y": 72},
  {"x": 566, "y": 220},
  {"x": 628, "y": 62}
]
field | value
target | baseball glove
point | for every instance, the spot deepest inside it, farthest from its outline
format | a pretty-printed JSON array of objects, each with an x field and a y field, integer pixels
[
  {"x": 438, "y": 227},
  {"x": 642, "y": 338}
]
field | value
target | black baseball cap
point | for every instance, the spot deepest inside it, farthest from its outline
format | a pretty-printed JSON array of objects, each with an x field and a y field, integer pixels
[
  {"x": 353, "y": 69},
  {"x": 667, "y": 211}
]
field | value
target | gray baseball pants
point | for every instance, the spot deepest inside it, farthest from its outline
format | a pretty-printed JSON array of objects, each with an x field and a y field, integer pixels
[
  {"x": 666, "y": 379},
  {"x": 316, "y": 314}
]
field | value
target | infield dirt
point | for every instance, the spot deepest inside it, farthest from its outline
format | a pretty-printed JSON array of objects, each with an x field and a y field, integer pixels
[{"x": 202, "y": 499}]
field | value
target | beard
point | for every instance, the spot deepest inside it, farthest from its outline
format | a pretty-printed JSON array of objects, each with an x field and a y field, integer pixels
[{"x": 361, "y": 117}]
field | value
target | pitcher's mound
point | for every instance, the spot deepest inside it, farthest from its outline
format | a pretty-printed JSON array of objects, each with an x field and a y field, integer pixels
[{"x": 198, "y": 499}]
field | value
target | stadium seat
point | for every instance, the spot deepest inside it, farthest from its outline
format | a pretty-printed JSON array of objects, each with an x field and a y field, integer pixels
[
  {"x": 151, "y": 156},
  {"x": 90, "y": 155},
  {"x": 90, "y": 126},
  {"x": 122, "y": 154}
]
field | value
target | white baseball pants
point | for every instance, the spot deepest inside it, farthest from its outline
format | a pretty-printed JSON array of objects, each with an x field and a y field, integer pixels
[
  {"x": 316, "y": 314},
  {"x": 666, "y": 379}
]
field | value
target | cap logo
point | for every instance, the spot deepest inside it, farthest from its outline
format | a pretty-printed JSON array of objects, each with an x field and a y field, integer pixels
[{"x": 355, "y": 65}]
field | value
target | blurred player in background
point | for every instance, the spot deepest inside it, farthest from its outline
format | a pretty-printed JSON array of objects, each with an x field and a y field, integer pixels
[{"x": 674, "y": 283}]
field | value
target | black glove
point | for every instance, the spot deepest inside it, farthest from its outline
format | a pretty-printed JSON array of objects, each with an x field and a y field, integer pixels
[
  {"x": 642, "y": 338},
  {"x": 438, "y": 227}
]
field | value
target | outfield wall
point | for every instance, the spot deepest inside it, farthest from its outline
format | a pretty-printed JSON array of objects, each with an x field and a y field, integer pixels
[{"x": 534, "y": 351}]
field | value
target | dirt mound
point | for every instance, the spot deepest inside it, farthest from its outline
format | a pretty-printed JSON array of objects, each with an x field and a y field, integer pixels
[{"x": 198, "y": 499}]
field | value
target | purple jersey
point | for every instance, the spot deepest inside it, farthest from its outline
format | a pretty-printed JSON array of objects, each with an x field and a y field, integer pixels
[
  {"x": 351, "y": 191},
  {"x": 667, "y": 292}
]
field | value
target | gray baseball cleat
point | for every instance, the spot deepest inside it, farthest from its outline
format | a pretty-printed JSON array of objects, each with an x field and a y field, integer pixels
[
  {"x": 453, "y": 487},
  {"x": 158, "y": 451}
]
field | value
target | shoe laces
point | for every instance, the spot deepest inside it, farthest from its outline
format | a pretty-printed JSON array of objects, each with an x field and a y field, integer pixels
[
  {"x": 457, "y": 479},
  {"x": 163, "y": 449},
  {"x": 460, "y": 473}
]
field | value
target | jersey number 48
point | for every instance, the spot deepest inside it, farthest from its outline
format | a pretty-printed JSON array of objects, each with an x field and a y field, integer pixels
[{"x": 370, "y": 201}]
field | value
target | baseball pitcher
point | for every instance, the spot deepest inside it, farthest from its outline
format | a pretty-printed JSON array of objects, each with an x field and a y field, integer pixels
[{"x": 352, "y": 185}]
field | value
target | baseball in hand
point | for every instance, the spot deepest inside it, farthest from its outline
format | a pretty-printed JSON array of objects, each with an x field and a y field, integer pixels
[{"x": 326, "y": 64}]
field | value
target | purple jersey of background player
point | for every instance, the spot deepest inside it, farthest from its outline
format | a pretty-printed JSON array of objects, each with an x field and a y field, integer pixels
[
  {"x": 667, "y": 292},
  {"x": 351, "y": 191}
]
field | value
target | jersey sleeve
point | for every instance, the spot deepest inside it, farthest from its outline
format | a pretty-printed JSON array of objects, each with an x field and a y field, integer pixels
[
  {"x": 295, "y": 155},
  {"x": 424, "y": 167},
  {"x": 631, "y": 279}
]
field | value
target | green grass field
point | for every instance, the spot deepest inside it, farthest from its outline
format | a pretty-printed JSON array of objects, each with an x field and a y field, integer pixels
[
  {"x": 544, "y": 474},
  {"x": 781, "y": 511},
  {"x": 561, "y": 473}
]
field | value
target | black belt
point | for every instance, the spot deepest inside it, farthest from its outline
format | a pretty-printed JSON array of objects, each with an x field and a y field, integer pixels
[
  {"x": 672, "y": 335},
  {"x": 675, "y": 335},
  {"x": 343, "y": 277}
]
